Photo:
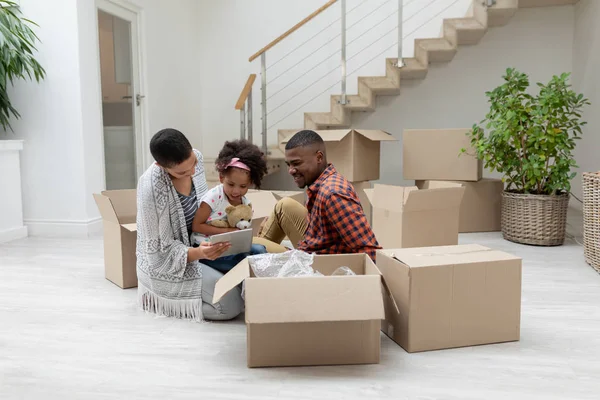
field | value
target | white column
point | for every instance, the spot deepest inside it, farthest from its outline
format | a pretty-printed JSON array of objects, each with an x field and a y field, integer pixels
[{"x": 11, "y": 200}]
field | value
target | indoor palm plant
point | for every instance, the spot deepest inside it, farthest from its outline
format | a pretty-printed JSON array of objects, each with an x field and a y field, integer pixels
[
  {"x": 17, "y": 47},
  {"x": 529, "y": 139}
]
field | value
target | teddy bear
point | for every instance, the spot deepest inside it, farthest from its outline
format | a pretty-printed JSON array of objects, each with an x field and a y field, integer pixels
[{"x": 237, "y": 217}]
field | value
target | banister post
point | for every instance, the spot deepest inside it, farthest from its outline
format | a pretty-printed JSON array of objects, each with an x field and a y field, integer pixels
[
  {"x": 400, "y": 62},
  {"x": 263, "y": 88},
  {"x": 249, "y": 117},
  {"x": 243, "y": 122},
  {"x": 343, "y": 64}
]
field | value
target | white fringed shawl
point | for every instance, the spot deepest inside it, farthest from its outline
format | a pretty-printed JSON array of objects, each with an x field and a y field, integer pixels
[{"x": 167, "y": 284}]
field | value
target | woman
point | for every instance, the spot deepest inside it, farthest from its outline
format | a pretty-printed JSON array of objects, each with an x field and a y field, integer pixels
[{"x": 172, "y": 281}]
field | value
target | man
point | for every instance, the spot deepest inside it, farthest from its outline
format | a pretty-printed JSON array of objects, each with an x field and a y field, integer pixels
[{"x": 333, "y": 221}]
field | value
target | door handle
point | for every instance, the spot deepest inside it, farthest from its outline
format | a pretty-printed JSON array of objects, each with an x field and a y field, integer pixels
[{"x": 138, "y": 98}]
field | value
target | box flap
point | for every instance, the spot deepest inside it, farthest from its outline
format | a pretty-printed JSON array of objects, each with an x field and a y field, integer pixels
[
  {"x": 371, "y": 269},
  {"x": 231, "y": 280},
  {"x": 335, "y": 135},
  {"x": 435, "y": 199},
  {"x": 314, "y": 299},
  {"x": 130, "y": 227},
  {"x": 106, "y": 208},
  {"x": 390, "y": 197},
  {"x": 370, "y": 194},
  {"x": 419, "y": 257},
  {"x": 124, "y": 203},
  {"x": 263, "y": 203},
  {"x": 376, "y": 135}
]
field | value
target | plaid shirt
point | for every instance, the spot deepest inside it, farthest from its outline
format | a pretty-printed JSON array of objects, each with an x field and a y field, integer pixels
[{"x": 336, "y": 220}]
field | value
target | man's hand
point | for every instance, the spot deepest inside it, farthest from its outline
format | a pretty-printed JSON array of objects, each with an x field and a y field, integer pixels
[{"x": 209, "y": 251}]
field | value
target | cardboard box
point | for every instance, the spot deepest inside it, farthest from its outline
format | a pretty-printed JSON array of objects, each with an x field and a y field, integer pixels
[
  {"x": 481, "y": 205},
  {"x": 264, "y": 201},
  {"x": 355, "y": 153},
  {"x": 451, "y": 296},
  {"x": 118, "y": 209},
  {"x": 359, "y": 188},
  {"x": 329, "y": 320},
  {"x": 434, "y": 154},
  {"x": 409, "y": 217}
]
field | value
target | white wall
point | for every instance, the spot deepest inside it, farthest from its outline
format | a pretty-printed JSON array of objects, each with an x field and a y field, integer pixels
[
  {"x": 51, "y": 122},
  {"x": 231, "y": 31},
  {"x": 586, "y": 79},
  {"x": 61, "y": 117}
]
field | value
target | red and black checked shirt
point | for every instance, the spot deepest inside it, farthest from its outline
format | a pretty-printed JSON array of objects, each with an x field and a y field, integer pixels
[{"x": 336, "y": 220}]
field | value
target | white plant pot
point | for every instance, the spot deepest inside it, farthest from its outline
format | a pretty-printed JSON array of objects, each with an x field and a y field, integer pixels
[{"x": 11, "y": 200}]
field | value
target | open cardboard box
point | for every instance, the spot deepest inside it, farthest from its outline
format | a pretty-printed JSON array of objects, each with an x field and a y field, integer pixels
[
  {"x": 409, "y": 217},
  {"x": 118, "y": 209},
  {"x": 481, "y": 206},
  {"x": 355, "y": 153},
  {"x": 264, "y": 202},
  {"x": 451, "y": 296},
  {"x": 435, "y": 154},
  {"x": 327, "y": 320}
]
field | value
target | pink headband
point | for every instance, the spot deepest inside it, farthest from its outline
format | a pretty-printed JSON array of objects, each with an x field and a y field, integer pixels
[{"x": 235, "y": 162}]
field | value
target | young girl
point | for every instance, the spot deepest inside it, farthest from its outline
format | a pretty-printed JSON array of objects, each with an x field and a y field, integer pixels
[{"x": 240, "y": 164}]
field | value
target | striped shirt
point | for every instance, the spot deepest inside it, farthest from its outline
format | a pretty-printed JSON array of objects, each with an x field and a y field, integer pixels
[{"x": 190, "y": 206}]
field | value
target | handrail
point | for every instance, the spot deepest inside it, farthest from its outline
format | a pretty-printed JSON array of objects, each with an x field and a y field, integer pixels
[
  {"x": 245, "y": 92},
  {"x": 292, "y": 30}
]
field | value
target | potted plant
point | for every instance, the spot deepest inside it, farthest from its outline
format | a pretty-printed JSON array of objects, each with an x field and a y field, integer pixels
[{"x": 530, "y": 141}]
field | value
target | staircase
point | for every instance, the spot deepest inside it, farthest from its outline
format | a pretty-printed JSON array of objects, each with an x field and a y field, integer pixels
[{"x": 455, "y": 32}]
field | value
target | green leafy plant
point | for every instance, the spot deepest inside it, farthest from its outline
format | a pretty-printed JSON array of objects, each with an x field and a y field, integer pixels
[
  {"x": 17, "y": 45},
  {"x": 530, "y": 139}
]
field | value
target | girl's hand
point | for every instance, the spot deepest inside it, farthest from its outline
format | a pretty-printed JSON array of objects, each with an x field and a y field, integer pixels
[{"x": 209, "y": 251}]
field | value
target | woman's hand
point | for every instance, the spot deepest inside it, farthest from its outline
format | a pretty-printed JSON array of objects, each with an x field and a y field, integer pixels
[{"x": 207, "y": 251}]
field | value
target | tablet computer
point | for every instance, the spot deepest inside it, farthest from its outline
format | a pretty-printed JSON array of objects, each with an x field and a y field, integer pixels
[{"x": 241, "y": 241}]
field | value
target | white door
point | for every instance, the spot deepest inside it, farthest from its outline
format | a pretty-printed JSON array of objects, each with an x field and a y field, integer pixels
[{"x": 122, "y": 93}]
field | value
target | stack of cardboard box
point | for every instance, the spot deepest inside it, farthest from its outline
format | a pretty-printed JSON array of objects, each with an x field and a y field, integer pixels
[{"x": 432, "y": 158}]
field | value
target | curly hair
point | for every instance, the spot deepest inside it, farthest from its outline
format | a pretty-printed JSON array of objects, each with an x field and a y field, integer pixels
[{"x": 249, "y": 154}]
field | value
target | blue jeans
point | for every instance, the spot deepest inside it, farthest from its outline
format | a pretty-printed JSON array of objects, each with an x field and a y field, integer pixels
[{"x": 225, "y": 264}]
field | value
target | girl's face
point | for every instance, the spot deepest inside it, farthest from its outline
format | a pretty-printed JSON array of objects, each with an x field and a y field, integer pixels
[{"x": 235, "y": 182}]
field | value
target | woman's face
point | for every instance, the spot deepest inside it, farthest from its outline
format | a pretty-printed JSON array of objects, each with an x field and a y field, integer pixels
[
  {"x": 184, "y": 170},
  {"x": 235, "y": 182}
]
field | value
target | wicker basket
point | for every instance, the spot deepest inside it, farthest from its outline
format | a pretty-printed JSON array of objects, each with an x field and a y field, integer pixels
[
  {"x": 534, "y": 219},
  {"x": 591, "y": 219}
]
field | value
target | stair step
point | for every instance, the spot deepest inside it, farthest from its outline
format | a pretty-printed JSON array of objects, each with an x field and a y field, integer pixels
[
  {"x": 463, "y": 31},
  {"x": 354, "y": 102},
  {"x": 380, "y": 85},
  {"x": 545, "y": 3},
  {"x": 434, "y": 50},
  {"x": 321, "y": 120},
  {"x": 413, "y": 69},
  {"x": 497, "y": 15}
]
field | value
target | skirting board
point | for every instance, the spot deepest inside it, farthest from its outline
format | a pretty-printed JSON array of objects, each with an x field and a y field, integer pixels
[
  {"x": 64, "y": 229},
  {"x": 9, "y": 235}
]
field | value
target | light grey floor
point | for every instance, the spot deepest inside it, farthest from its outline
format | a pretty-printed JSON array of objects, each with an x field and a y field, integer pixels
[{"x": 67, "y": 333}]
